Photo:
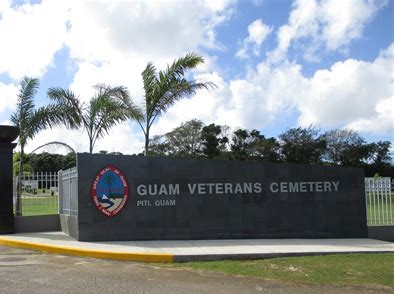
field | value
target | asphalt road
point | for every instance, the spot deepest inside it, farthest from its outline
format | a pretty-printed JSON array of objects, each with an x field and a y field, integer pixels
[{"x": 23, "y": 271}]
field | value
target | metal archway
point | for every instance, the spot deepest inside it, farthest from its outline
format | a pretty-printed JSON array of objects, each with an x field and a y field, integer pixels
[{"x": 55, "y": 143}]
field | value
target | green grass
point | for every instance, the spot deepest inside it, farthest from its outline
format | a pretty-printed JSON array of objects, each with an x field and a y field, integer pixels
[
  {"x": 43, "y": 204},
  {"x": 345, "y": 269}
]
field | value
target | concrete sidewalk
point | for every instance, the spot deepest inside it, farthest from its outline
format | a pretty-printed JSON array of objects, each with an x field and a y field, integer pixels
[{"x": 192, "y": 250}]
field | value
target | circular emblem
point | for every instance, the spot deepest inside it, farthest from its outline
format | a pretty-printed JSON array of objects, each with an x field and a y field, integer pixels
[{"x": 110, "y": 191}]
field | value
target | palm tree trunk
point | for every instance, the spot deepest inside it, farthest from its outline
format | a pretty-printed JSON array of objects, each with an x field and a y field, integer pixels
[
  {"x": 147, "y": 138},
  {"x": 90, "y": 145}
]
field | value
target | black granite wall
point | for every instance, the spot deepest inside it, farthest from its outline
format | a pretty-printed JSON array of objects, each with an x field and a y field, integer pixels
[
  {"x": 324, "y": 202},
  {"x": 7, "y": 225}
]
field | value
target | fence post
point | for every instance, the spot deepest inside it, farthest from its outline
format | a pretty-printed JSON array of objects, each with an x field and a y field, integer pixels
[{"x": 60, "y": 189}]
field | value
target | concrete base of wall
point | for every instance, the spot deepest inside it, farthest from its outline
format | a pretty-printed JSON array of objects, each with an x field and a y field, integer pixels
[
  {"x": 39, "y": 223},
  {"x": 69, "y": 225},
  {"x": 385, "y": 233}
]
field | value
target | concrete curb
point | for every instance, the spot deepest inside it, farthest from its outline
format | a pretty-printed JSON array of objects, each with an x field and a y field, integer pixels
[
  {"x": 103, "y": 254},
  {"x": 179, "y": 251}
]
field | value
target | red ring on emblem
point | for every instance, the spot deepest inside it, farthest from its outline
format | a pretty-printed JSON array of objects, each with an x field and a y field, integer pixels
[{"x": 97, "y": 181}]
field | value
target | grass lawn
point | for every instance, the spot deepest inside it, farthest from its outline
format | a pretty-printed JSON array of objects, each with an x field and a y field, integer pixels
[
  {"x": 344, "y": 269},
  {"x": 39, "y": 205}
]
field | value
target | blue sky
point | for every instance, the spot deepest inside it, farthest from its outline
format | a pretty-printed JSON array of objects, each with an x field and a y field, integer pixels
[{"x": 278, "y": 64}]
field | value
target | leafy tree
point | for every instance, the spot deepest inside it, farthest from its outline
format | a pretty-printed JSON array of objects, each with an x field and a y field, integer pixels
[
  {"x": 164, "y": 88},
  {"x": 107, "y": 108},
  {"x": 380, "y": 153},
  {"x": 262, "y": 148},
  {"x": 253, "y": 145},
  {"x": 240, "y": 145},
  {"x": 213, "y": 142},
  {"x": 158, "y": 146},
  {"x": 47, "y": 162},
  {"x": 31, "y": 120},
  {"x": 185, "y": 140},
  {"x": 340, "y": 144},
  {"x": 27, "y": 169},
  {"x": 301, "y": 145},
  {"x": 347, "y": 147}
]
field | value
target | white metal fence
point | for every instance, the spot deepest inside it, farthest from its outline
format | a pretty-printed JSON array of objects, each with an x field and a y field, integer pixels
[
  {"x": 380, "y": 201},
  {"x": 38, "y": 194},
  {"x": 68, "y": 191}
]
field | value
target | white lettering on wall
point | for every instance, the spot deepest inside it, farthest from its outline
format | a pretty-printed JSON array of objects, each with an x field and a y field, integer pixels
[{"x": 304, "y": 187}]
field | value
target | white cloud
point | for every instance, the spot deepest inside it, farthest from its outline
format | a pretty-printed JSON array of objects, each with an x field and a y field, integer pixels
[
  {"x": 328, "y": 25},
  {"x": 111, "y": 42},
  {"x": 351, "y": 94},
  {"x": 258, "y": 32},
  {"x": 382, "y": 121},
  {"x": 344, "y": 21},
  {"x": 152, "y": 29},
  {"x": 31, "y": 36},
  {"x": 4, "y": 5},
  {"x": 114, "y": 44},
  {"x": 120, "y": 139},
  {"x": 254, "y": 102},
  {"x": 257, "y": 2},
  {"x": 204, "y": 106},
  {"x": 8, "y": 96}
]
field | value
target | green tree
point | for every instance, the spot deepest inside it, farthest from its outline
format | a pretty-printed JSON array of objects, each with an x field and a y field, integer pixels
[
  {"x": 213, "y": 141},
  {"x": 185, "y": 140},
  {"x": 16, "y": 164},
  {"x": 164, "y": 88},
  {"x": 379, "y": 160},
  {"x": 107, "y": 108},
  {"x": 340, "y": 144},
  {"x": 347, "y": 147},
  {"x": 302, "y": 145},
  {"x": 253, "y": 145},
  {"x": 240, "y": 145},
  {"x": 32, "y": 120},
  {"x": 380, "y": 153},
  {"x": 158, "y": 146},
  {"x": 47, "y": 162}
]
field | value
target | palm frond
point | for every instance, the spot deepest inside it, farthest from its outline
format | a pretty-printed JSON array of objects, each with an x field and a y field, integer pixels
[
  {"x": 175, "y": 92},
  {"x": 70, "y": 105},
  {"x": 170, "y": 85},
  {"x": 25, "y": 105},
  {"x": 183, "y": 64},
  {"x": 45, "y": 117},
  {"x": 149, "y": 78},
  {"x": 106, "y": 111}
]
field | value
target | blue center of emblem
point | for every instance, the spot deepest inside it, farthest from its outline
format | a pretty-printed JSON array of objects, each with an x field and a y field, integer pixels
[{"x": 110, "y": 190}]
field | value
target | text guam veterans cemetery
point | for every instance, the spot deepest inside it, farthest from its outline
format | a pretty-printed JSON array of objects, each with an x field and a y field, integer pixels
[{"x": 145, "y": 191}]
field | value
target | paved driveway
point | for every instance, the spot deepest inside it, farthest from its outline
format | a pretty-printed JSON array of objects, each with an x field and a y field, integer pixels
[{"x": 23, "y": 271}]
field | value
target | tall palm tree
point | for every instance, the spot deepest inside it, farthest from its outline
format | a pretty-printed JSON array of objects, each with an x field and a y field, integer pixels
[
  {"x": 107, "y": 108},
  {"x": 31, "y": 120},
  {"x": 164, "y": 88}
]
